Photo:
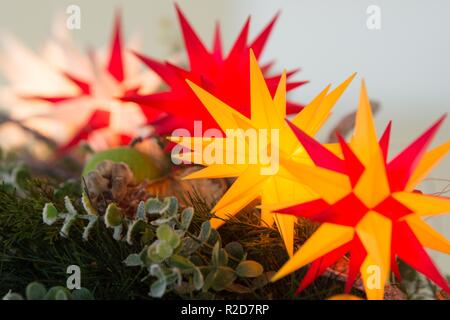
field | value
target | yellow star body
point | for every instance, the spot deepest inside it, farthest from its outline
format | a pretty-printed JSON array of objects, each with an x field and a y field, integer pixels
[
  {"x": 390, "y": 211},
  {"x": 267, "y": 114}
]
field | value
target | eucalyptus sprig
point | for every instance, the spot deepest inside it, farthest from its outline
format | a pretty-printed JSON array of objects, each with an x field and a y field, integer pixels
[
  {"x": 187, "y": 264},
  {"x": 37, "y": 291},
  {"x": 176, "y": 259}
]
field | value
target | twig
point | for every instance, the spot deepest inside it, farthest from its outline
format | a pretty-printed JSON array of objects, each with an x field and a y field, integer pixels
[
  {"x": 48, "y": 169},
  {"x": 5, "y": 119},
  {"x": 347, "y": 123}
]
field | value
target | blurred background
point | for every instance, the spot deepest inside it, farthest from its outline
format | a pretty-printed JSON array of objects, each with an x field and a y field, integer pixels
[{"x": 406, "y": 63}]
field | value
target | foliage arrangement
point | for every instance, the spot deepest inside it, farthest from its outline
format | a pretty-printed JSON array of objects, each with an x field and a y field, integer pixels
[
  {"x": 35, "y": 251},
  {"x": 37, "y": 291},
  {"x": 187, "y": 263},
  {"x": 179, "y": 260}
]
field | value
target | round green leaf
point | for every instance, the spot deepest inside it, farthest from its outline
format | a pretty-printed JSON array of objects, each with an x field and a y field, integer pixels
[
  {"x": 174, "y": 240},
  {"x": 144, "y": 255},
  {"x": 198, "y": 279},
  {"x": 49, "y": 213},
  {"x": 164, "y": 232},
  {"x": 263, "y": 279},
  {"x": 223, "y": 257},
  {"x": 113, "y": 216},
  {"x": 223, "y": 277},
  {"x": 171, "y": 205},
  {"x": 133, "y": 260},
  {"x": 140, "y": 211},
  {"x": 249, "y": 269},
  {"x": 215, "y": 254},
  {"x": 158, "y": 288},
  {"x": 186, "y": 218},
  {"x": 62, "y": 294},
  {"x": 82, "y": 294},
  {"x": 147, "y": 236},
  {"x": 153, "y": 206},
  {"x": 164, "y": 249},
  {"x": 205, "y": 231},
  {"x": 12, "y": 296},
  {"x": 181, "y": 262},
  {"x": 214, "y": 237},
  {"x": 189, "y": 246},
  {"x": 153, "y": 255},
  {"x": 235, "y": 250},
  {"x": 87, "y": 205},
  {"x": 51, "y": 293},
  {"x": 136, "y": 228},
  {"x": 35, "y": 291}
]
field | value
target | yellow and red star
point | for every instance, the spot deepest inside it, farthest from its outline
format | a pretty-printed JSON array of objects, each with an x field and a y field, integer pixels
[{"x": 368, "y": 206}]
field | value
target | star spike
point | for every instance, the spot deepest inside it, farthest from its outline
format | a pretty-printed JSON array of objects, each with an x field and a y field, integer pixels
[
  {"x": 415, "y": 255},
  {"x": 423, "y": 205},
  {"x": 327, "y": 238},
  {"x": 260, "y": 42},
  {"x": 365, "y": 144},
  {"x": 375, "y": 231},
  {"x": 428, "y": 161},
  {"x": 217, "y": 108},
  {"x": 384, "y": 141},
  {"x": 401, "y": 167},
  {"x": 116, "y": 64},
  {"x": 280, "y": 96},
  {"x": 365, "y": 137},
  {"x": 217, "y": 47},
  {"x": 427, "y": 235},
  {"x": 316, "y": 113},
  {"x": 197, "y": 52},
  {"x": 321, "y": 156},
  {"x": 241, "y": 43}
]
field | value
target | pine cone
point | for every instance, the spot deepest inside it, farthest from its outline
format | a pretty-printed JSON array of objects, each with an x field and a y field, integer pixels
[{"x": 114, "y": 182}]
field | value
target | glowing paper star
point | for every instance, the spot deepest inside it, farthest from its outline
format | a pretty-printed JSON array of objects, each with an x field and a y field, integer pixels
[
  {"x": 368, "y": 207},
  {"x": 258, "y": 179},
  {"x": 212, "y": 71},
  {"x": 77, "y": 95}
]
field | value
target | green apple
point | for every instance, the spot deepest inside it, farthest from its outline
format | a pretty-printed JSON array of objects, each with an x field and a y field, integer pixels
[{"x": 140, "y": 164}]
